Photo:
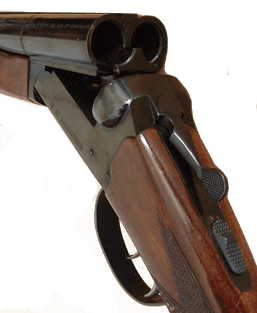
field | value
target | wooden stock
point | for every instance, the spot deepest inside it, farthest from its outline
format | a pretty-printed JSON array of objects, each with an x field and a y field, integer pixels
[
  {"x": 151, "y": 200},
  {"x": 14, "y": 72}
]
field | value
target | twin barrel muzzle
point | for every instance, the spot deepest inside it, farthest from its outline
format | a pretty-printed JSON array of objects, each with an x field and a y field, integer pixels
[
  {"x": 129, "y": 42},
  {"x": 109, "y": 42},
  {"x": 105, "y": 42}
]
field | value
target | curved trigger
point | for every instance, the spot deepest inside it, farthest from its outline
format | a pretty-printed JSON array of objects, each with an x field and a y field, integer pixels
[
  {"x": 134, "y": 256},
  {"x": 113, "y": 246}
]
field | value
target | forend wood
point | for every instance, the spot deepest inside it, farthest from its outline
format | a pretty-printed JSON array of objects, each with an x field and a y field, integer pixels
[
  {"x": 14, "y": 76},
  {"x": 102, "y": 77}
]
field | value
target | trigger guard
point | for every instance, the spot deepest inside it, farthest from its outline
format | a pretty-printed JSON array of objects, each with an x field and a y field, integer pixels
[{"x": 110, "y": 237}]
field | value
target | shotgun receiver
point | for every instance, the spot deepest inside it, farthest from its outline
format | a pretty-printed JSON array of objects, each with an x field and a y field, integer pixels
[{"x": 102, "y": 77}]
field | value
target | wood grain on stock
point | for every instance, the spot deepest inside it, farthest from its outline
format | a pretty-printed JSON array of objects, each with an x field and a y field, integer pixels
[
  {"x": 248, "y": 300},
  {"x": 150, "y": 198},
  {"x": 14, "y": 75}
]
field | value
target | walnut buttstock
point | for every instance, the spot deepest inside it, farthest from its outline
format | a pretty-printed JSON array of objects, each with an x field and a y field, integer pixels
[{"x": 157, "y": 211}]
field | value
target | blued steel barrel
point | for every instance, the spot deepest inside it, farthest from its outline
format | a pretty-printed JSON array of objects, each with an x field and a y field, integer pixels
[{"x": 99, "y": 40}]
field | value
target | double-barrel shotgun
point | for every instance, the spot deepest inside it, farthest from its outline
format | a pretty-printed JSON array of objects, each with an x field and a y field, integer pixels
[{"x": 102, "y": 77}]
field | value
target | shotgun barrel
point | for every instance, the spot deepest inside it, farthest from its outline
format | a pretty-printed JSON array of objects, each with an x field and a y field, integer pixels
[
  {"x": 87, "y": 40},
  {"x": 102, "y": 77}
]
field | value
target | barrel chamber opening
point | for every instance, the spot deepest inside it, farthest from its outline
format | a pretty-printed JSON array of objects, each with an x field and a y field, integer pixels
[
  {"x": 148, "y": 37},
  {"x": 107, "y": 39},
  {"x": 109, "y": 42}
]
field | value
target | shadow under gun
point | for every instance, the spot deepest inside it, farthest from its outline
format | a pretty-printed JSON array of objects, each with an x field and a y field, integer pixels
[{"x": 102, "y": 77}]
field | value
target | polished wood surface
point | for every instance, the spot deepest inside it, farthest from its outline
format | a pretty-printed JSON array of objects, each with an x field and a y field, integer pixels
[
  {"x": 150, "y": 198},
  {"x": 14, "y": 71},
  {"x": 248, "y": 300}
]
